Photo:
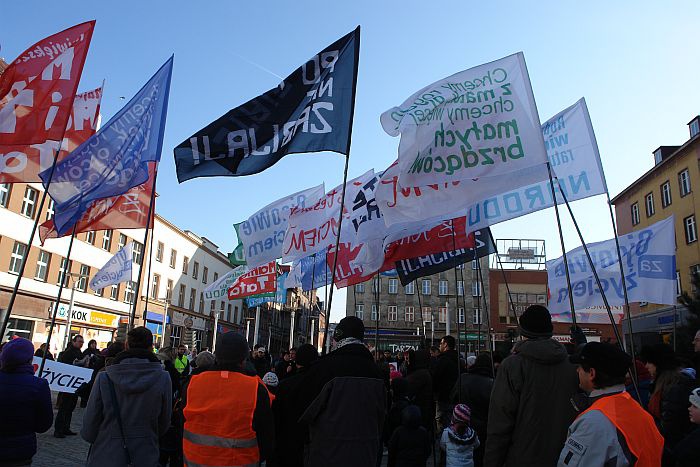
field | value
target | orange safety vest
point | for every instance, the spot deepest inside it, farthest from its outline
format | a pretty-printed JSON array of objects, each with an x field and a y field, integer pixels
[
  {"x": 219, "y": 420},
  {"x": 636, "y": 425}
]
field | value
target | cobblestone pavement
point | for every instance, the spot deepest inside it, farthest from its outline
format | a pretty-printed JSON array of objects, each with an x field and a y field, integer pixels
[{"x": 70, "y": 451}]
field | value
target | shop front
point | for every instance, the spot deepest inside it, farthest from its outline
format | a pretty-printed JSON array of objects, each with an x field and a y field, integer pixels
[
  {"x": 89, "y": 323},
  {"x": 154, "y": 323},
  {"x": 188, "y": 330},
  {"x": 393, "y": 340}
]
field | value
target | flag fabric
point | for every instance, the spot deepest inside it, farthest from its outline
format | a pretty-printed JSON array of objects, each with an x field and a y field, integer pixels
[
  {"x": 262, "y": 234},
  {"x": 357, "y": 262},
  {"x": 592, "y": 315},
  {"x": 83, "y": 121},
  {"x": 280, "y": 295},
  {"x": 480, "y": 122},
  {"x": 649, "y": 263},
  {"x": 237, "y": 257},
  {"x": 309, "y": 273},
  {"x": 260, "y": 280},
  {"x": 118, "y": 269},
  {"x": 115, "y": 159},
  {"x": 37, "y": 91},
  {"x": 127, "y": 211},
  {"x": 310, "y": 111},
  {"x": 413, "y": 268},
  {"x": 218, "y": 290}
]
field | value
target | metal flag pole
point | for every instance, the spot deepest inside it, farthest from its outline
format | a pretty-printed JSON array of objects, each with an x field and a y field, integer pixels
[
  {"x": 490, "y": 340},
  {"x": 416, "y": 289},
  {"x": 150, "y": 256},
  {"x": 459, "y": 338},
  {"x": 486, "y": 306},
  {"x": 151, "y": 213},
  {"x": 377, "y": 285},
  {"x": 505, "y": 279},
  {"x": 563, "y": 248},
  {"x": 66, "y": 273}
]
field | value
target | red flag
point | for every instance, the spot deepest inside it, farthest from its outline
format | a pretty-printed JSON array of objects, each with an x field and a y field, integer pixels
[
  {"x": 36, "y": 98},
  {"x": 127, "y": 211},
  {"x": 348, "y": 270},
  {"x": 82, "y": 123},
  {"x": 262, "y": 279}
]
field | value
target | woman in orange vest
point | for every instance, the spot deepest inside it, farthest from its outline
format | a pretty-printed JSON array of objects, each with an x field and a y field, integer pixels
[
  {"x": 615, "y": 430},
  {"x": 228, "y": 419}
]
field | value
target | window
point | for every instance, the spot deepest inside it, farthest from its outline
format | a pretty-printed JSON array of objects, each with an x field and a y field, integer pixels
[
  {"x": 114, "y": 293},
  {"x": 211, "y": 307},
  {"x": 129, "y": 292},
  {"x": 155, "y": 285},
  {"x": 679, "y": 289},
  {"x": 107, "y": 240},
  {"x": 90, "y": 237},
  {"x": 427, "y": 314},
  {"x": 64, "y": 271},
  {"x": 684, "y": 182},
  {"x": 216, "y": 276},
  {"x": 99, "y": 292},
  {"x": 173, "y": 258},
  {"x": 460, "y": 288},
  {"x": 476, "y": 289},
  {"x": 426, "y": 287},
  {"x": 635, "y": 213},
  {"x": 84, "y": 278},
  {"x": 185, "y": 264},
  {"x": 360, "y": 311},
  {"x": 159, "y": 252},
  {"x": 195, "y": 270},
  {"x": 694, "y": 127},
  {"x": 691, "y": 233},
  {"x": 5, "y": 194},
  {"x": 393, "y": 286},
  {"x": 409, "y": 314},
  {"x": 475, "y": 265},
  {"x": 18, "y": 252},
  {"x": 122, "y": 241},
  {"x": 477, "y": 318},
  {"x": 221, "y": 309},
  {"x": 649, "y": 203},
  {"x": 392, "y": 313},
  {"x": 193, "y": 297},
  {"x": 442, "y": 287},
  {"x": 460, "y": 315},
  {"x": 169, "y": 290},
  {"x": 695, "y": 269},
  {"x": 181, "y": 297},
  {"x": 658, "y": 156},
  {"x": 442, "y": 314},
  {"x": 666, "y": 194},
  {"x": 42, "y": 265},
  {"x": 410, "y": 288},
  {"x": 377, "y": 284},
  {"x": 205, "y": 273},
  {"x": 138, "y": 251},
  {"x": 374, "y": 312},
  {"x": 29, "y": 202},
  {"x": 50, "y": 210},
  {"x": 175, "y": 336},
  {"x": 360, "y": 288},
  {"x": 201, "y": 303},
  {"x": 228, "y": 313}
]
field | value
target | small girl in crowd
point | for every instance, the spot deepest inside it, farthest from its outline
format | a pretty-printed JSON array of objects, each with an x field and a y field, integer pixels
[{"x": 459, "y": 440}]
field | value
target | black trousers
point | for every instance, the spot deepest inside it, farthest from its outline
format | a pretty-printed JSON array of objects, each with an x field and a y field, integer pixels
[{"x": 66, "y": 404}]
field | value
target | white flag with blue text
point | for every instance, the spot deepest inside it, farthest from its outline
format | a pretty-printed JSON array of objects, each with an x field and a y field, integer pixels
[
  {"x": 648, "y": 259},
  {"x": 118, "y": 269}
]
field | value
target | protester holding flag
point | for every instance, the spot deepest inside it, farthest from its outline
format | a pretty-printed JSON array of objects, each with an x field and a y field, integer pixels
[
  {"x": 67, "y": 401},
  {"x": 25, "y": 404}
]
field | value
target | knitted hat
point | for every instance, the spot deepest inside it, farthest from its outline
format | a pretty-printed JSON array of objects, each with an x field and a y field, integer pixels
[
  {"x": 350, "y": 326},
  {"x": 536, "y": 322},
  {"x": 462, "y": 414},
  {"x": 270, "y": 379},
  {"x": 306, "y": 355},
  {"x": 694, "y": 397},
  {"x": 204, "y": 359},
  {"x": 231, "y": 347},
  {"x": 18, "y": 351}
]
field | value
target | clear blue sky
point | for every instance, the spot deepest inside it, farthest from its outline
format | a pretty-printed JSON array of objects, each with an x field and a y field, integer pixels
[{"x": 636, "y": 63}]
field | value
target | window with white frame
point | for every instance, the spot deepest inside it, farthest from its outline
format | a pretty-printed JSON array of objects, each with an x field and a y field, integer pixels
[
  {"x": 649, "y": 203},
  {"x": 393, "y": 286},
  {"x": 185, "y": 264},
  {"x": 442, "y": 314},
  {"x": 90, "y": 237},
  {"x": 635, "y": 213},
  {"x": 5, "y": 194},
  {"x": 694, "y": 127},
  {"x": 679, "y": 287},
  {"x": 476, "y": 289},
  {"x": 410, "y": 288},
  {"x": 360, "y": 311},
  {"x": 18, "y": 252},
  {"x": 195, "y": 270},
  {"x": 460, "y": 288},
  {"x": 155, "y": 286},
  {"x": 129, "y": 292},
  {"x": 426, "y": 283},
  {"x": 221, "y": 309},
  {"x": 392, "y": 314},
  {"x": 169, "y": 290},
  {"x": 106, "y": 240},
  {"x": 691, "y": 233},
  {"x": 181, "y": 295},
  {"x": 201, "y": 303},
  {"x": 205, "y": 273},
  {"x": 212, "y": 304},
  {"x": 173, "y": 258},
  {"x": 442, "y": 287},
  {"x": 42, "y": 265},
  {"x": 409, "y": 314},
  {"x": 138, "y": 251},
  {"x": 50, "y": 210},
  {"x": 377, "y": 284},
  {"x": 476, "y": 317},
  {"x": 29, "y": 202},
  {"x": 426, "y": 314},
  {"x": 122, "y": 241},
  {"x": 84, "y": 278},
  {"x": 64, "y": 271},
  {"x": 193, "y": 297},
  {"x": 114, "y": 292},
  {"x": 159, "y": 252},
  {"x": 98, "y": 292},
  {"x": 360, "y": 288},
  {"x": 475, "y": 264},
  {"x": 374, "y": 313},
  {"x": 460, "y": 315},
  {"x": 684, "y": 182},
  {"x": 666, "y": 194}
]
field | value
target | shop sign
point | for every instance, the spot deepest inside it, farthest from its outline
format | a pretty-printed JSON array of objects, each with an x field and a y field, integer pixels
[
  {"x": 189, "y": 322},
  {"x": 87, "y": 316}
]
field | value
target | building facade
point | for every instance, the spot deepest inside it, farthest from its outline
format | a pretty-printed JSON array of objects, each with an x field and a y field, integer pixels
[{"x": 398, "y": 318}]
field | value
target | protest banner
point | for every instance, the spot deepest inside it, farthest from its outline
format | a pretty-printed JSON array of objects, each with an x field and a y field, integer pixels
[
  {"x": 480, "y": 122},
  {"x": 219, "y": 289},
  {"x": 649, "y": 263},
  {"x": 118, "y": 269},
  {"x": 262, "y": 279},
  {"x": 61, "y": 376},
  {"x": 591, "y": 315},
  {"x": 309, "y": 273},
  {"x": 280, "y": 295}
]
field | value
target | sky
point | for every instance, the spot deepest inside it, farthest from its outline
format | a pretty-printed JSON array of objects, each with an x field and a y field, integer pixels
[{"x": 636, "y": 63}]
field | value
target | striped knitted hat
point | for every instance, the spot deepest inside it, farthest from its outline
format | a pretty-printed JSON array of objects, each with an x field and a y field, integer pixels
[{"x": 462, "y": 414}]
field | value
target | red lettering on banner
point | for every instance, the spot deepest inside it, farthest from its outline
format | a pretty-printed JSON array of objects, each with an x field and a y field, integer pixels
[{"x": 262, "y": 279}]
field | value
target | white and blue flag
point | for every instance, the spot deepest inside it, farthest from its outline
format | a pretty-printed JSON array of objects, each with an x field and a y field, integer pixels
[
  {"x": 118, "y": 269},
  {"x": 115, "y": 159}
]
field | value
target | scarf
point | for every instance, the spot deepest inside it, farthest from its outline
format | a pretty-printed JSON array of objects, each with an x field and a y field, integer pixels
[{"x": 347, "y": 341}]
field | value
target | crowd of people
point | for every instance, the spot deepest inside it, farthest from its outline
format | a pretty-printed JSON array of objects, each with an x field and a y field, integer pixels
[{"x": 543, "y": 405}]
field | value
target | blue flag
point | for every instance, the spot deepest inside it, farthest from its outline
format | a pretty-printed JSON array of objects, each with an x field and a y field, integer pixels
[
  {"x": 310, "y": 111},
  {"x": 309, "y": 273},
  {"x": 280, "y": 295},
  {"x": 115, "y": 159}
]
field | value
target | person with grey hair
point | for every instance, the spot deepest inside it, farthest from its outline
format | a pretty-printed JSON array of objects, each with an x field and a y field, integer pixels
[{"x": 204, "y": 360}]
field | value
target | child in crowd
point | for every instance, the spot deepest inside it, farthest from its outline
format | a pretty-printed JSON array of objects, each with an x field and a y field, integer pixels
[
  {"x": 459, "y": 440},
  {"x": 271, "y": 382},
  {"x": 410, "y": 443}
]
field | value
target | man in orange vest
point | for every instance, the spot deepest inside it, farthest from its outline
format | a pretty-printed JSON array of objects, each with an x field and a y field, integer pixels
[
  {"x": 228, "y": 419},
  {"x": 615, "y": 430}
]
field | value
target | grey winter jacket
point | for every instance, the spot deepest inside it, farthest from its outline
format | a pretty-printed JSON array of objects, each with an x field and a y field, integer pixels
[
  {"x": 531, "y": 407},
  {"x": 459, "y": 449},
  {"x": 144, "y": 394}
]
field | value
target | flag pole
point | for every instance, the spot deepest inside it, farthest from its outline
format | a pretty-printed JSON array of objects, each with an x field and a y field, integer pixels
[
  {"x": 150, "y": 262},
  {"x": 505, "y": 279},
  {"x": 563, "y": 248},
  {"x": 490, "y": 340},
  {"x": 459, "y": 339},
  {"x": 151, "y": 214},
  {"x": 486, "y": 303},
  {"x": 66, "y": 272},
  {"x": 416, "y": 289}
]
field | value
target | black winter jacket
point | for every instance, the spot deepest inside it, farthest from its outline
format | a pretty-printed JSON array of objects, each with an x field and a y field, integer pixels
[
  {"x": 445, "y": 374},
  {"x": 410, "y": 443}
]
